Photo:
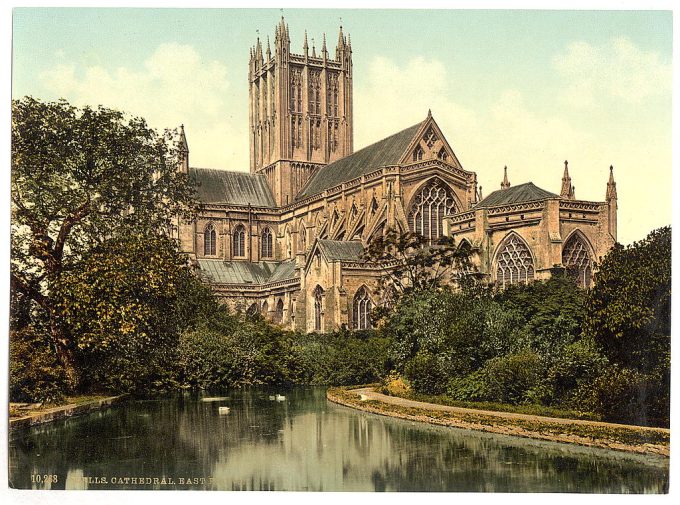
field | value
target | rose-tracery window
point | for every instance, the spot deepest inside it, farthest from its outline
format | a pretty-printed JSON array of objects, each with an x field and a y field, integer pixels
[
  {"x": 266, "y": 249},
  {"x": 576, "y": 259},
  {"x": 361, "y": 310},
  {"x": 239, "y": 241},
  {"x": 318, "y": 307},
  {"x": 209, "y": 240},
  {"x": 429, "y": 207},
  {"x": 514, "y": 264},
  {"x": 430, "y": 137}
]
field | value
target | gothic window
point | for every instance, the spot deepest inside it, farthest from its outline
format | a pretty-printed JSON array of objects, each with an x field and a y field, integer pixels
[
  {"x": 289, "y": 245},
  {"x": 296, "y": 91},
  {"x": 314, "y": 93},
  {"x": 430, "y": 205},
  {"x": 361, "y": 310},
  {"x": 303, "y": 238},
  {"x": 374, "y": 205},
  {"x": 576, "y": 259},
  {"x": 209, "y": 240},
  {"x": 353, "y": 211},
  {"x": 442, "y": 155},
  {"x": 278, "y": 314},
  {"x": 239, "y": 241},
  {"x": 514, "y": 264},
  {"x": 318, "y": 308},
  {"x": 418, "y": 154},
  {"x": 266, "y": 249},
  {"x": 265, "y": 308},
  {"x": 430, "y": 137}
]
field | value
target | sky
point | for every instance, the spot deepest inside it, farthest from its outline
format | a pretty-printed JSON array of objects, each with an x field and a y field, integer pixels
[{"x": 526, "y": 89}]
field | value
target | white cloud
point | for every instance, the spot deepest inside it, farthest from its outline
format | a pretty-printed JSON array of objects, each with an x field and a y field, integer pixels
[
  {"x": 175, "y": 85},
  {"x": 617, "y": 69}
]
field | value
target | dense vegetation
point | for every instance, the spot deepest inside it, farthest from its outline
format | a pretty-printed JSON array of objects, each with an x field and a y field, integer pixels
[{"x": 101, "y": 302}]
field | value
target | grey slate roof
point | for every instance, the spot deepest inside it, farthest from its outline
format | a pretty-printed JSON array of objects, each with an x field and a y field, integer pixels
[
  {"x": 235, "y": 188},
  {"x": 527, "y": 192},
  {"x": 383, "y": 153},
  {"x": 339, "y": 250},
  {"x": 244, "y": 272}
]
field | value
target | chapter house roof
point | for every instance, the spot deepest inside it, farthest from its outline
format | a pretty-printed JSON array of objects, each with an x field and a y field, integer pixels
[
  {"x": 527, "y": 192},
  {"x": 233, "y": 188},
  {"x": 383, "y": 153},
  {"x": 245, "y": 272}
]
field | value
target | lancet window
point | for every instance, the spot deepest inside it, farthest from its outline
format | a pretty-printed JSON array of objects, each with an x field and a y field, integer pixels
[
  {"x": 361, "y": 313},
  {"x": 239, "y": 241},
  {"x": 318, "y": 308},
  {"x": 209, "y": 241},
  {"x": 266, "y": 249}
]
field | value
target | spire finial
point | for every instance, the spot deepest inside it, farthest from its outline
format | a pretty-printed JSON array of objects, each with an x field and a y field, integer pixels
[
  {"x": 611, "y": 185},
  {"x": 429, "y": 112},
  {"x": 505, "y": 184},
  {"x": 567, "y": 190}
]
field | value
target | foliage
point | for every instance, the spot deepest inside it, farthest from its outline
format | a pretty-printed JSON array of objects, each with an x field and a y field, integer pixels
[
  {"x": 395, "y": 385},
  {"x": 342, "y": 357},
  {"x": 629, "y": 306},
  {"x": 80, "y": 176},
  {"x": 34, "y": 373},
  {"x": 410, "y": 263},
  {"x": 425, "y": 373}
]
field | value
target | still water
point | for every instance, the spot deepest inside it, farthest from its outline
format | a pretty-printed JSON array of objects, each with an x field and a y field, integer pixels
[{"x": 303, "y": 443}]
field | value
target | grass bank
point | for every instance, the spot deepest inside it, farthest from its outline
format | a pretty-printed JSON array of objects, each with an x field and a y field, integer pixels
[{"x": 582, "y": 432}]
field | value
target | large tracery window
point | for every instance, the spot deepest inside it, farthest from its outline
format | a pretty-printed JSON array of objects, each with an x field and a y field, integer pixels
[
  {"x": 318, "y": 308},
  {"x": 266, "y": 249},
  {"x": 210, "y": 241},
  {"x": 239, "y": 241},
  {"x": 577, "y": 261},
  {"x": 514, "y": 263},
  {"x": 429, "y": 207},
  {"x": 361, "y": 310}
]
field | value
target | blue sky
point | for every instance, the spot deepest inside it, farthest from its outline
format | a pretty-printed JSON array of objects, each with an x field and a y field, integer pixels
[{"x": 526, "y": 89}]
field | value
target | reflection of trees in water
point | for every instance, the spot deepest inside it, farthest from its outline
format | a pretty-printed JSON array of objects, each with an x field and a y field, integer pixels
[{"x": 305, "y": 443}]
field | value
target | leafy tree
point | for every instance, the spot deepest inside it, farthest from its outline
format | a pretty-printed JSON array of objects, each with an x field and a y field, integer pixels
[
  {"x": 80, "y": 176},
  {"x": 410, "y": 263},
  {"x": 628, "y": 309}
]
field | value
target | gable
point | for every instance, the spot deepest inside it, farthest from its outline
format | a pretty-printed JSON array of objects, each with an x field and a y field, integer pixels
[{"x": 429, "y": 143}]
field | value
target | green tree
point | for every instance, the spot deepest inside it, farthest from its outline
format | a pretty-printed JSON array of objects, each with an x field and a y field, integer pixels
[
  {"x": 80, "y": 176},
  {"x": 628, "y": 309}
]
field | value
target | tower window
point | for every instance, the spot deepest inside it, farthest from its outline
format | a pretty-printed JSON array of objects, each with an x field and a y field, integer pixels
[{"x": 239, "y": 241}]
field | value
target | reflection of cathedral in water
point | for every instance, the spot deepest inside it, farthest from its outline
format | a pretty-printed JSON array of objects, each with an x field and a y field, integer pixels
[{"x": 286, "y": 240}]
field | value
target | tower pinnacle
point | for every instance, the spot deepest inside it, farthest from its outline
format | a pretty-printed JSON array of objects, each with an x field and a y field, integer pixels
[{"x": 505, "y": 184}]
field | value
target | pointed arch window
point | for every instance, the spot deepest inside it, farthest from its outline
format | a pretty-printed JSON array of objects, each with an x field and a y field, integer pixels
[
  {"x": 443, "y": 155},
  {"x": 514, "y": 263},
  {"x": 430, "y": 205},
  {"x": 303, "y": 238},
  {"x": 318, "y": 308},
  {"x": 576, "y": 259},
  {"x": 265, "y": 308},
  {"x": 266, "y": 249},
  {"x": 361, "y": 310},
  {"x": 418, "y": 154},
  {"x": 374, "y": 205},
  {"x": 278, "y": 313},
  {"x": 210, "y": 240},
  {"x": 239, "y": 241}
]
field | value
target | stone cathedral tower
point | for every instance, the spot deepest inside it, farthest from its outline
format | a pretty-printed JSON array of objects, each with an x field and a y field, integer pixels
[{"x": 300, "y": 111}]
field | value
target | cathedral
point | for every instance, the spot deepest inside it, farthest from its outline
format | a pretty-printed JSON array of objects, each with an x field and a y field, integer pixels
[{"x": 286, "y": 239}]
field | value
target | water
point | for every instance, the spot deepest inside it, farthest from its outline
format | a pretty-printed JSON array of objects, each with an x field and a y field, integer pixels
[{"x": 304, "y": 443}]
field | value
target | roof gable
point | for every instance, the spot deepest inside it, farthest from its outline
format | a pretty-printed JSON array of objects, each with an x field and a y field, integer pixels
[
  {"x": 385, "y": 152},
  {"x": 527, "y": 192},
  {"x": 235, "y": 188},
  {"x": 432, "y": 143}
]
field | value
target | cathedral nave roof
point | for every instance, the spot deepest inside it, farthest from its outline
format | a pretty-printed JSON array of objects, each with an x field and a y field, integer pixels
[{"x": 235, "y": 188}]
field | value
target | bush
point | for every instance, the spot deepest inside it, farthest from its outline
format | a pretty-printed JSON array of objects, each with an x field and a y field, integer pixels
[
  {"x": 34, "y": 372},
  {"x": 394, "y": 385},
  {"x": 512, "y": 378},
  {"x": 426, "y": 374}
]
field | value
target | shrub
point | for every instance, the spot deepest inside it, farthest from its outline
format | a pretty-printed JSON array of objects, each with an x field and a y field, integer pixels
[
  {"x": 395, "y": 385},
  {"x": 511, "y": 379},
  {"x": 34, "y": 372},
  {"x": 426, "y": 374}
]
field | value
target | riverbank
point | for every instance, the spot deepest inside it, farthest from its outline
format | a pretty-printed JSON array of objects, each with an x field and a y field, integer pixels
[
  {"x": 619, "y": 437},
  {"x": 43, "y": 415}
]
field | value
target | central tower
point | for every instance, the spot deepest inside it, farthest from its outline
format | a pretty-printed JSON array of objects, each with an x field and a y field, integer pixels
[{"x": 300, "y": 113}]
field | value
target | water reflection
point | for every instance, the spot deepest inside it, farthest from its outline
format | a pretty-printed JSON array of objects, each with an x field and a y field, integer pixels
[{"x": 304, "y": 443}]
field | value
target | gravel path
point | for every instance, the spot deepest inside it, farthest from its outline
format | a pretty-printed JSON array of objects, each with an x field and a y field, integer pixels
[{"x": 370, "y": 394}]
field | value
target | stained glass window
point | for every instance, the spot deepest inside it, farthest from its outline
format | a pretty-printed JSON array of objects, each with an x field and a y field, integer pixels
[
  {"x": 429, "y": 207},
  {"x": 514, "y": 264}
]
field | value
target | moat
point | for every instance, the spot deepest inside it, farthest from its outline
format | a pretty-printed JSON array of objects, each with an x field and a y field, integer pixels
[{"x": 303, "y": 443}]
